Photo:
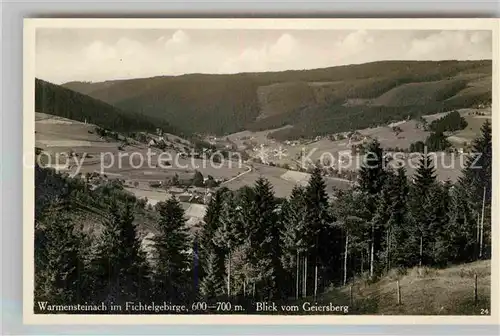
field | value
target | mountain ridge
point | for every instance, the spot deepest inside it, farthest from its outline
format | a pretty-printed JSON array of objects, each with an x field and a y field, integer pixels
[{"x": 222, "y": 104}]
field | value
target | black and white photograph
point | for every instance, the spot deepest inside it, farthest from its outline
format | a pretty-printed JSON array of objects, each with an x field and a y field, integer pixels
[{"x": 262, "y": 171}]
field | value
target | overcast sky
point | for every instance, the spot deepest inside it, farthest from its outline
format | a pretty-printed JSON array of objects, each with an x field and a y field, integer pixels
[{"x": 64, "y": 55}]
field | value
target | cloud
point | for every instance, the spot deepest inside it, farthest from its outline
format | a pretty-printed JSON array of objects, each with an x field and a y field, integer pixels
[
  {"x": 179, "y": 39},
  {"x": 125, "y": 46},
  {"x": 280, "y": 54},
  {"x": 452, "y": 44},
  {"x": 284, "y": 48},
  {"x": 98, "y": 51},
  {"x": 355, "y": 41}
]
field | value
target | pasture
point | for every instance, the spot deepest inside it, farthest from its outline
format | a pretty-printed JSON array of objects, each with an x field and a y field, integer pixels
[
  {"x": 136, "y": 164},
  {"x": 475, "y": 119}
]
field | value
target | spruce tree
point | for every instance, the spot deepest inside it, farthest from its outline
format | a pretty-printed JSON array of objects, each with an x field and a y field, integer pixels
[
  {"x": 171, "y": 276},
  {"x": 119, "y": 266},
  {"x": 424, "y": 193},
  {"x": 477, "y": 181},
  {"x": 212, "y": 285},
  {"x": 380, "y": 227},
  {"x": 461, "y": 229},
  {"x": 247, "y": 219},
  {"x": 293, "y": 217},
  {"x": 323, "y": 240},
  {"x": 264, "y": 242},
  {"x": 477, "y": 174},
  {"x": 231, "y": 223},
  {"x": 59, "y": 267},
  {"x": 425, "y": 175},
  {"x": 351, "y": 216},
  {"x": 437, "y": 217},
  {"x": 212, "y": 221},
  {"x": 371, "y": 180},
  {"x": 228, "y": 239},
  {"x": 399, "y": 223},
  {"x": 372, "y": 172}
]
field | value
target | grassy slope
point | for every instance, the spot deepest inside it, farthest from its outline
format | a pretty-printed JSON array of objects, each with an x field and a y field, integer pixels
[
  {"x": 420, "y": 93},
  {"x": 424, "y": 291},
  {"x": 474, "y": 124},
  {"x": 225, "y": 104}
]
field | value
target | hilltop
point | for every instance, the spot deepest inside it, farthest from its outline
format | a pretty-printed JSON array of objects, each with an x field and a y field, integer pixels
[
  {"x": 59, "y": 101},
  {"x": 314, "y": 102}
]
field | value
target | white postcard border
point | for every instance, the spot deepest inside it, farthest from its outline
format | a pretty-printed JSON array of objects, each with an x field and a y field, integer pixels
[{"x": 30, "y": 26}]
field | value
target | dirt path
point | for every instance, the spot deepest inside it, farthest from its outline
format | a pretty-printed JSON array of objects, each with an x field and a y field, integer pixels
[{"x": 249, "y": 169}]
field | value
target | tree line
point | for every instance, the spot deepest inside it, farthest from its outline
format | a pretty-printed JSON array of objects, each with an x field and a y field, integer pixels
[
  {"x": 437, "y": 140},
  {"x": 60, "y": 101},
  {"x": 255, "y": 246}
]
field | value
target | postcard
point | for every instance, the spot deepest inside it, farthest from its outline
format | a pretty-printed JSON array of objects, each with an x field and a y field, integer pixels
[{"x": 260, "y": 171}]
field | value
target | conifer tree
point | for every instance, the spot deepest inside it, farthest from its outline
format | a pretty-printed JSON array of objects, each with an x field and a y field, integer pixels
[
  {"x": 323, "y": 240},
  {"x": 212, "y": 285},
  {"x": 395, "y": 244},
  {"x": 231, "y": 223},
  {"x": 212, "y": 221},
  {"x": 379, "y": 225},
  {"x": 478, "y": 168},
  {"x": 438, "y": 220},
  {"x": 228, "y": 238},
  {"x": 119, "y": 266},
  {"x": 371, "y": 172},
  {"x": 351, "y": 217},
  {"x": 246, "y": 218},
  {"x": 372, "y": 177},
  {"x": 212, "y": 218},
  {"x": 294, "y": 224},
  {"x": 477, "y": 181},
  {"x": 461, "y": 229},
  {"x": 264, "y": 241},
  {"x": 171, "y": 278},
  {"x": 424, "y": 194},
  {"x": 59, "y": 267},
  {"x": 425, "y": 175},
  {"x": 245, "y": 201}
]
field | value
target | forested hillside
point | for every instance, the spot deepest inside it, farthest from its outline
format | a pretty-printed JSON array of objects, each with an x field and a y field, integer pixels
[
  {"x": 60, "y": 101},
  {"x": 315, "y": 101},
  {"x": 255, "y": 247}
]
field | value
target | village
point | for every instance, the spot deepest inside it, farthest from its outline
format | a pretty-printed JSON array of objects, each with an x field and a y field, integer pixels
[{"x": 243, "y": 157}]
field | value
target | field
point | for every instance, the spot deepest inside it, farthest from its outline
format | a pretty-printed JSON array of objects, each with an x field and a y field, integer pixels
[
  {"x": 339, "y": 152},
  {"x": 474, "y": 121},
  {"x": 58, "y": 136},
  {"x": 281, "y": 179}
]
